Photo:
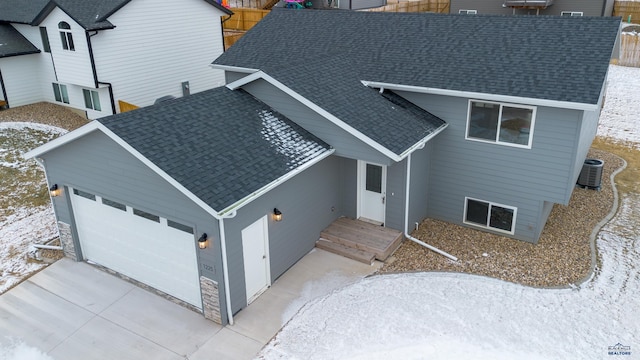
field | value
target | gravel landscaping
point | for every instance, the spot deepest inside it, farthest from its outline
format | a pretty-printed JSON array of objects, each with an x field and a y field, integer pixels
[
  {"x": 44, "y": 113},
  {"x": 561, "y": 257}
]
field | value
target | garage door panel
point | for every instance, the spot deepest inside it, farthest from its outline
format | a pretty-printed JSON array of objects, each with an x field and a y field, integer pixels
[{"x": 145, "y": 250}]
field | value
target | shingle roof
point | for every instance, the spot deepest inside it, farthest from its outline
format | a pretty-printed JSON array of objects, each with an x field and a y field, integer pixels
[
  {"x": 21, "y": 11},
  {"x": 90, "y": 14},
  {"x": 324, "y": 55},
  {"x": 222, "y": 145},
  {"x": 12, "y": 43}
]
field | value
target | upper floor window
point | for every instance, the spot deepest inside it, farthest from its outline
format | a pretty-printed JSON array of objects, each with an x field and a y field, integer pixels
[
  {"x": 65, "y": 36},
  {"x": 505, "y": 124},
  {"x": 91, "y": 99},
  {"x": 571, "y": 13},
  {"x": 45, "y": 39},
  {"x": 468, "y": 12}
]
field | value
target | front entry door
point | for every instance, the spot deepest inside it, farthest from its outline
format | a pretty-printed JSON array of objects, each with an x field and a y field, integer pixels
[
  {"x": 255, "y": 249},
  {"x": 372, "y": 191}
]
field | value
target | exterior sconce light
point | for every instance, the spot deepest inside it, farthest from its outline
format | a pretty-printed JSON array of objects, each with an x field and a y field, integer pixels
[
  {"x": 54, "y": 190},
  {"x": 203, "y": 241},
  {"x": 277, "y": 215}
]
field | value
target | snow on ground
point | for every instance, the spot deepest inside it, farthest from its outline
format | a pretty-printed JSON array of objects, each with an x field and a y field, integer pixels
[
  {"x": 20, "y": 225},
  {"x": 620, "y": 117},
  {"x": 20, "y": 351},
  {"x": 460, "y": 316}
]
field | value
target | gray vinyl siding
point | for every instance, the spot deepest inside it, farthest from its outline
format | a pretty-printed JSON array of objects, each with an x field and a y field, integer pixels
[
  {"x": 96, "y": 164},
  {"x": 350, "y": 187},
  {"x": 547, "y": 207},
  {"x": 309, "y": 202},
  {"x": 588, "y": 7},
  {"x": 344, "y": 143},
  {"x": 587, "y": 134},
  {"x": 395, "y": 196},
  {"x": 231, "y": 76},
  {"x": 517, "y": 177}
]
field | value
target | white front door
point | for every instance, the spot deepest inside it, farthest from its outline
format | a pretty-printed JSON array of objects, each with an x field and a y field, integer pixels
[
  {"x": 255, "y": 249},
  {"x": 372, "y": 191}
]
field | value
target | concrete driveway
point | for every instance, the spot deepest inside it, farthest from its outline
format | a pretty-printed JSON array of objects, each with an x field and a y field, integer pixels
[{"x": 73, "y": 310}]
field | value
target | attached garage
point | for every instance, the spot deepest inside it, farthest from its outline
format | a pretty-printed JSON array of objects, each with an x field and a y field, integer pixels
[{"x": 151, "y": 249}]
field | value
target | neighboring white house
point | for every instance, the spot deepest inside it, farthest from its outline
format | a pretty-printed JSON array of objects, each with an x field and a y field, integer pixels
[{"x": 92, "y": 54}]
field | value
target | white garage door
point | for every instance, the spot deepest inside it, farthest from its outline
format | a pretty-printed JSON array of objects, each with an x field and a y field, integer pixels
[{"x": 153, "y": 250}]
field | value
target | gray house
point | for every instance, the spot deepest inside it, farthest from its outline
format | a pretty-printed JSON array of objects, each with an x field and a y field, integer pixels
[
  {"x": 211, "y": 197},
  {"x": 533, "y": 7}
]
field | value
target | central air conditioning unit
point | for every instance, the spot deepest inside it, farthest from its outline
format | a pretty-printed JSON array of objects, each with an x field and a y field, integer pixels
[{"x": 591, "y": 174}]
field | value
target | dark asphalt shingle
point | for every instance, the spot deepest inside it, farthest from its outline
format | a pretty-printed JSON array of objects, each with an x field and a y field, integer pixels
[
  {"x": 323, "y": 55},
  {"x": 21, "y": 11},
  {"x": 12, "y": 43},
  {"x": 221, "y": 145}
]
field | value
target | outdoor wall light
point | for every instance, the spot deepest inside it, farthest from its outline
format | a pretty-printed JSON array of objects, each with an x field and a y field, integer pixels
[
  {"x": 54, "y": 190},
  {"x": 203, "y": 241},
  {"x": 277, "y": 215}
]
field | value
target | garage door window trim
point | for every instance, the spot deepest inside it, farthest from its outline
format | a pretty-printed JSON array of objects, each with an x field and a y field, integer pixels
[
  {"x": 178, "y": 226},
  {"x": 146, "y": 215},
  {"x": 114, "y": 204},
  {"x": 84, "y": 194}
]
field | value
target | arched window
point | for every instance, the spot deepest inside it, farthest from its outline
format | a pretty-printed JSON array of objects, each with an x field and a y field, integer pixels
[{"x": 65, "y": 36}]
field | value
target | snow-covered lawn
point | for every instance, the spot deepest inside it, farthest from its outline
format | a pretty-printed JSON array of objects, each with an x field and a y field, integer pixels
[
  {"x": 26, "y": 216},
  {"x": 460, "y": 316}
]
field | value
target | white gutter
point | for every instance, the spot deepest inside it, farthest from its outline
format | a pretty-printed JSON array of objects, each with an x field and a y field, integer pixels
[
  {"x": 423, "y": 142},
  {"x": 47, "y": 247},
  {"x": 233, "y": 68},
  {"x": 225, "y": 266},
  {"x": 406, "y": 217},
  {"x": 483, "y": 96}
]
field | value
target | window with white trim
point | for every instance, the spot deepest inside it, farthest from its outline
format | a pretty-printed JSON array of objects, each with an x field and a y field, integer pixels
[
  {"x": 571, "y": 13},
  {"x": 66, "y": 36},
  {"x": 490, "y": 215},
  {"x": 60, "y": 93},
  {"x": 91, "y": 99},
  {"x": 467, "y": 12},
  {"x": 500, "y": 123}
]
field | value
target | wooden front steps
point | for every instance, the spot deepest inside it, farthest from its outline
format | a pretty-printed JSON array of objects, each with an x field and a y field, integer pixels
[{"x": 359, "y": 240}]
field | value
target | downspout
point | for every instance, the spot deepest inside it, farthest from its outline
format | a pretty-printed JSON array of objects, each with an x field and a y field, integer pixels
[
  {"x": 224, "y": 46},
  {"x": 4, "y": 90},
  {"x": 225, "y": 266},
  {"x": 95, "y": 72},
  {"x": 406, "y": 216}
]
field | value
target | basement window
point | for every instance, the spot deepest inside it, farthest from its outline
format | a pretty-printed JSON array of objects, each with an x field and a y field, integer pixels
[
  {"x": 490, "y": 215},
  {"x": 179, "y": 226},
  {"x": 66, "y": 37},
  {"x": 505, "y": 124},
  {"x": 91, "y": 99},
  {"x": 84, "y": 194},
  {"x": 146, "y": 215},
  {"x": 467, "y": 12},
  {"x": 60, "y": 93}
]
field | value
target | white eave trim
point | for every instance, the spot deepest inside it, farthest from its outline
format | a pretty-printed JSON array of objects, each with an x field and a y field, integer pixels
[
  {"x": 420, "y": 144},
  {"x": 322, "y": 112},
  {"x": 229, "y": 211},
  {"x": 96, "y": 125},
  {"x": 233, "y": 68},
  {"x": 483, "y": 96}
]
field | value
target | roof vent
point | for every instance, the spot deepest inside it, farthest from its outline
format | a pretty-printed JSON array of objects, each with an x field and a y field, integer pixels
[
  {"x": 163, "y": 99},
  {"x": 591, "y": 174}
]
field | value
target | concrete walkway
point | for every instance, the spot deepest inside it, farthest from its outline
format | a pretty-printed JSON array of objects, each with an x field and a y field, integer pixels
[{"x": 72, "y": 310}]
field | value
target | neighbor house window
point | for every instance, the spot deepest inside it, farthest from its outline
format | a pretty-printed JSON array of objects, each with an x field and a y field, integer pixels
[
  {"x": 60, "y": 93},
  {"x": 65, "y": 36},
  {"x": 468, "y": 12},
  {"x": 571, "y": 13},
  {"x": 501, "y": 123},
  {"x": 490, "y": 215},
  {"x": 45, "y": 39},
  {"x": 91, "y": 99}
]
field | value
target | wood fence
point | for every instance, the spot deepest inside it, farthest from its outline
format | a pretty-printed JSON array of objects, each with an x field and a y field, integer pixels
[
  {"x": 629, "y": 49},
  {"x": 244, "y": 19},
  {"x": 125, "y": 106},
  {"x": 437, "y": 6},
  {"x": 629, "y": 10}
]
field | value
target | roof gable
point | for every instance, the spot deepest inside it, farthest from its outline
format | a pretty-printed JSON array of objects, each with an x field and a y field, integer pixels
[
  {"x": 542, "y": 57},
  {"x": 12, "y": 43}
]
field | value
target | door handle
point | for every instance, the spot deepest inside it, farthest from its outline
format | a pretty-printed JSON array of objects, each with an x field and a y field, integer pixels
[{"x": 383, "y": 199}]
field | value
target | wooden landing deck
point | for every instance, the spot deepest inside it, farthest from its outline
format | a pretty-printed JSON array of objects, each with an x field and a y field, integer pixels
[{"x": 359, "y": 240}]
